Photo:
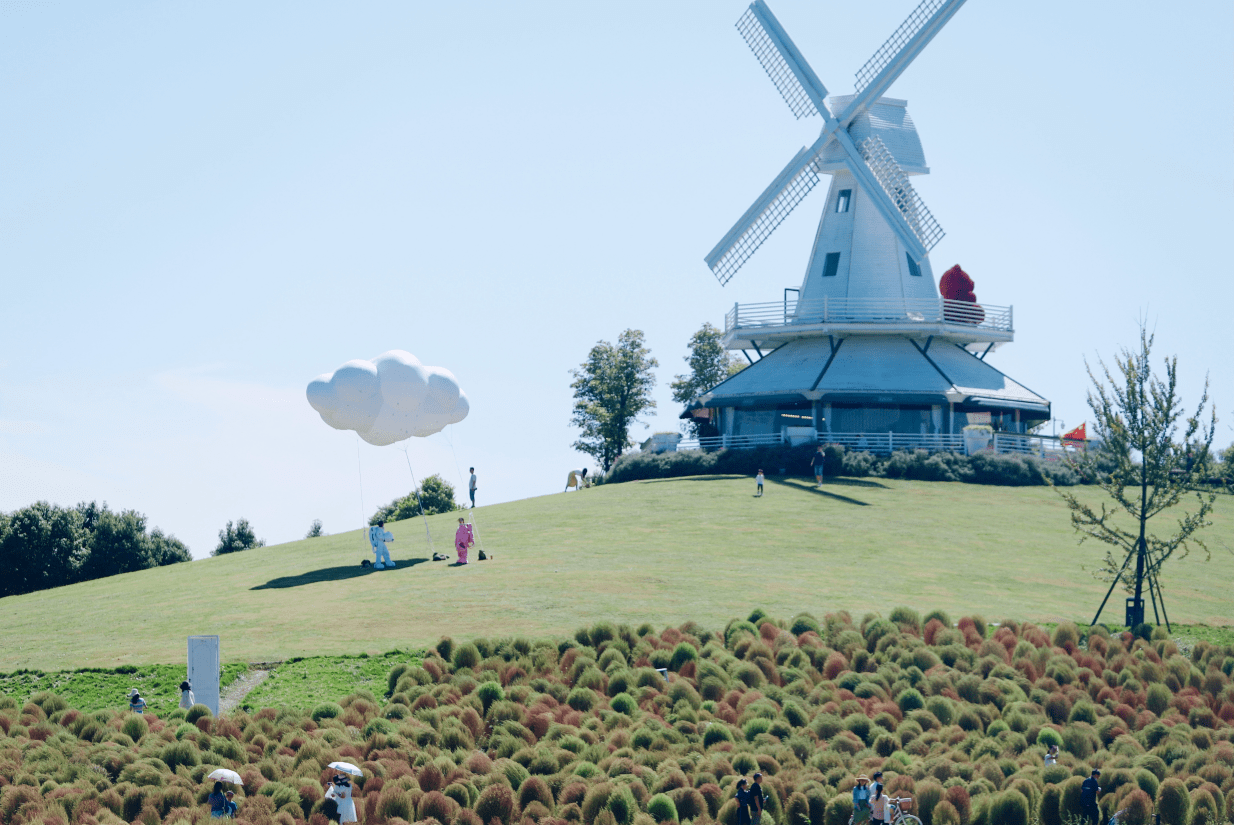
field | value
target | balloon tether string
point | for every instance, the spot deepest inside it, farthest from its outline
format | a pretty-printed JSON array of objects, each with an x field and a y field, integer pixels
[{"x": 421, "y": 506}]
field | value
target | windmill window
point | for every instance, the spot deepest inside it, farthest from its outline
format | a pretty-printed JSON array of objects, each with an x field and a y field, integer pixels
[
  {"x": 830, "y": 264},
  {"x": 842, "y": 200},
  {"x": 914, "y": 269}
]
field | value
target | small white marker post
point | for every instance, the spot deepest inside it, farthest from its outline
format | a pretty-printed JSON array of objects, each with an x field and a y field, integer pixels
[{"x": 204, "y": 670}]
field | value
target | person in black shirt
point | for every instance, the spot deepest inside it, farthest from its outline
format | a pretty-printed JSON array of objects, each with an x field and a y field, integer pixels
[
  {"x": 1089, "y": 798},
  {"x": 744, "y": 802},
  {"x": 756, "y": 798},
  {"x": 817, "y": 465}
]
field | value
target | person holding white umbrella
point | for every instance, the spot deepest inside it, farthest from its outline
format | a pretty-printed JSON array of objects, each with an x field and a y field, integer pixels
[{"x": 340, "y": 791}]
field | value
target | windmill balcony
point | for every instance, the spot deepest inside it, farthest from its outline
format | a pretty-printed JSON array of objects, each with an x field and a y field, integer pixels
[{"x": 750, "y": 326}]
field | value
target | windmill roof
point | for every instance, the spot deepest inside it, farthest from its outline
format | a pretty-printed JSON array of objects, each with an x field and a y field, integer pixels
[
  {"x": 887, "y": 118},
  {"x": 862, "y": 366}
]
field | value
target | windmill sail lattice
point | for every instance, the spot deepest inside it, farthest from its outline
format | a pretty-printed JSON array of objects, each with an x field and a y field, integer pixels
[
  {"x": 918, "y": 18},
  {"x": 786, "y": 192},
  {"x": 774, "y": 63},
  {"x": 896, "y": 184}
]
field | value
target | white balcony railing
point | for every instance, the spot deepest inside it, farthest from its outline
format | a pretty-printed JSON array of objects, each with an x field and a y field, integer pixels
[
  {"x": 1042, "y": 446},
  {"x": 959, "y": 314}
]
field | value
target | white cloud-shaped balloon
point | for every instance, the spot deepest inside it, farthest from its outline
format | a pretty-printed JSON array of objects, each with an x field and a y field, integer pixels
[{"x": 388, "y": 399}]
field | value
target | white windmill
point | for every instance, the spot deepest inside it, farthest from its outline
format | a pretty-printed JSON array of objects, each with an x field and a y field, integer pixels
[{"x": 868, "y": 347}]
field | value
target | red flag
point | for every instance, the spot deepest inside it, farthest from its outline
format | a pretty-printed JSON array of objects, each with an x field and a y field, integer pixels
[{"x": 1077, "y": 434}]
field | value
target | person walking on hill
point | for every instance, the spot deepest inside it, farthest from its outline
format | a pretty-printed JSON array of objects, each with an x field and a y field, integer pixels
[
  {"x": 463, "y": 540},
  {"x": 471, "y": 486},
  {"x": 742, "y": 795},
  {"x": 186, "y": 695},
  {"x": 1089, "y": 798},
  {"x": 759, "y": 484},
  {"x": 816, "y": 464}
]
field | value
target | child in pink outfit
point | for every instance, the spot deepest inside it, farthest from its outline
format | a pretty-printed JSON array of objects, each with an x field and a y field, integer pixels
[{"x": 463, "y": 540}]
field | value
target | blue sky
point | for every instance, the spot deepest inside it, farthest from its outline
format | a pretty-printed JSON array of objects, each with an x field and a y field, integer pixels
[{"x": 203, "y": 206}]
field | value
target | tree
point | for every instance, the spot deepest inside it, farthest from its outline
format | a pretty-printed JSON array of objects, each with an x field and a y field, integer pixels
[
  {"x": 1137, "y": 415},
  {"x": 237, "y": 539},
  {"x": 435, "y": 494},
  {"x": 709, "y": 365},
  {"x": 315, "y": 530},
  {"x": 613, "y": 387},
  {"x": 41, "y": 546}
]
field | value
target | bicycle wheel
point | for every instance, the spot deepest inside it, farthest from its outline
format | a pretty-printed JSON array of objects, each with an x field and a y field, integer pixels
[{"x": 908, "y": 819}]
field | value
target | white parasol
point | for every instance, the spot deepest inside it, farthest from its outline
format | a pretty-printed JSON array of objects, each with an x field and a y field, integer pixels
[
  {"x": 224, "y": 775},
  {"x": 346, "y": 767}
]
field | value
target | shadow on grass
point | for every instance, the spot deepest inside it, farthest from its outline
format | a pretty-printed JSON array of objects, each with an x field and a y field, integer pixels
[
  {"x": 831, "y": 481},
  {"x": 333, "y": 574},
  {"x": 811, "y": 488}
]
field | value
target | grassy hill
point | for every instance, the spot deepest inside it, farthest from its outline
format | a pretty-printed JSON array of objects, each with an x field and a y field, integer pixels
[{"x": 701, "y": 549}]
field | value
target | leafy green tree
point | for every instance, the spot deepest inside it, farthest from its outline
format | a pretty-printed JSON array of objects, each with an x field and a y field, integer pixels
[
  {"x": 1226, "y": 466},
  {"x": 613, "y": 387},
  {"x": 315, "y": 530},
  {"x": 709, "y": 364},
  {"x": 237, "y": 539},
  {"x": 1138, "y": 415},
  {"x": 41, "y": 546},
  {"x": 435, "y": 494},
  {"x": 167, "y": 549}
]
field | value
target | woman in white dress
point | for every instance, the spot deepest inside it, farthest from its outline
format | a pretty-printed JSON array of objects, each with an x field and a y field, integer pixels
[
  {"x": 186, "y": 695},
  {"x": 340, "y": 791}
]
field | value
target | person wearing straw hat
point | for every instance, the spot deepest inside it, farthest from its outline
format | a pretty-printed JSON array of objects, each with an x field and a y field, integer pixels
[
  {"x": 861, "y": 801},
  {"x": 136, "y": 703}
]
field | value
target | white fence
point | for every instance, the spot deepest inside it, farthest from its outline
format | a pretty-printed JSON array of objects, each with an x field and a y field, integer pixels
[
  {"x": 1042, "y": 446},
  {"x": 870, "y": 311}
]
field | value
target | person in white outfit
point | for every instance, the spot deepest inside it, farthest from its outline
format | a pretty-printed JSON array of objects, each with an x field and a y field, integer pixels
[
  {"x": 340, "y": 791},
  {"x": 578, "y": 479},
  {"x": 378, "y": 538},
  {"x": 186, "y": 695}
]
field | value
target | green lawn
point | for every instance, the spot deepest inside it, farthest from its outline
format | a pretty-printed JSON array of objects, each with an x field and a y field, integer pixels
[{"x": 668, "y": 551}]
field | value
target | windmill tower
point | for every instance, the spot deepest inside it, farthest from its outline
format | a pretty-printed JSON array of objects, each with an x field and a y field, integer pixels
[{"x": 868, "y": 348}]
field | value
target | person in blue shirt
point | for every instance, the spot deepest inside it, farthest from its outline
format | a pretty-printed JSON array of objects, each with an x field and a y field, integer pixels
[
  {"x": 1089, "y": 798},
  {"x": 861, "y": 801},
  {"x": 136, "y": 703},
  {"x": 218, "y": 802},
  {"x": 744, "y": 803},
  {"x": 229, "y": 810}
]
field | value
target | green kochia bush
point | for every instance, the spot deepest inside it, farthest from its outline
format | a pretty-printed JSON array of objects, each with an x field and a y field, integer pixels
[{"x": 590, "y": 734}]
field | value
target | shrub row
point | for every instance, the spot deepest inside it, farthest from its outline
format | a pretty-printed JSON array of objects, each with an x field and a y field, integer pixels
[
  {"x": 628, "y": 726},
  {"x": 983, "y": 468}
]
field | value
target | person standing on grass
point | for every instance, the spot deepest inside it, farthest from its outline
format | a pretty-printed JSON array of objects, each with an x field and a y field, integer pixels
[
  {"x": 1089, "y": 798},
  {"x": 471, "y": 486},
  {"x": 816, "y": 464},
  {"x": 186, "y": 695},
  {"x": 742, "y": 795},
  {"x": 378, "y": 539},
  {"x": 758, "y": 488},
  {"x": 463, "y": 540}
]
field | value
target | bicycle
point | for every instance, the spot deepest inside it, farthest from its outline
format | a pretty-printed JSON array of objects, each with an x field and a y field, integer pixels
[{"x": 899, "y": 807}]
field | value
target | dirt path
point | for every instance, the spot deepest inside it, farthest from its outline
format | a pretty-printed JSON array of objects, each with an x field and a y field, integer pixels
[{"x": 234, "y": 693}]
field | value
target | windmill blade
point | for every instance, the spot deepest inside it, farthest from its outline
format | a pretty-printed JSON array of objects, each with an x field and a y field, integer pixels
[
  {"x": 896, "y": 185},
  {"x": 789, "y": 71},
  {"x": 898, "y": 51},
  {"x": 771, "y": 208}
]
